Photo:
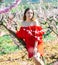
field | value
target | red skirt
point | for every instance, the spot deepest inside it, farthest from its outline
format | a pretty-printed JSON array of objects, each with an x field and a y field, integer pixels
[{"x": 31, "y": 34}]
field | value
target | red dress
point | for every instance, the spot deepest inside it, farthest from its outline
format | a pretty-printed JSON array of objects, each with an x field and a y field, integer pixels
[{"x": 30, "y": 34}]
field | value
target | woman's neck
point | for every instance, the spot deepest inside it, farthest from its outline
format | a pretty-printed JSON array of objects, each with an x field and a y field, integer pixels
[{"x": 28, "y": 20}]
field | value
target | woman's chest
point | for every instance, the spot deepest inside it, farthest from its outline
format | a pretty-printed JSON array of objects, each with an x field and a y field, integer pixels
[{"x": 28, "y": 24}]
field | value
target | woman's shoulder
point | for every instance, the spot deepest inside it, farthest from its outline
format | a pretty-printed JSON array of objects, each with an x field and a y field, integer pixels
[
  {"x": 37, "y": 22},
  {"x": 24, "y": 23}
]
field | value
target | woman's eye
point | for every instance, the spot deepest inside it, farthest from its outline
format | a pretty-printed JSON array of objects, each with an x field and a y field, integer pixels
[{"x": 30, "y": 12}]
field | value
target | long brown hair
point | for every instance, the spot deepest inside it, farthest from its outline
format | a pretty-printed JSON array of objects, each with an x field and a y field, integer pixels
[{"x": 24, "y": 16}]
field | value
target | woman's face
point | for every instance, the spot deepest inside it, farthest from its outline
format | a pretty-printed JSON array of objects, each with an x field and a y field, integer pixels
[{"x": 29, "y": 14}]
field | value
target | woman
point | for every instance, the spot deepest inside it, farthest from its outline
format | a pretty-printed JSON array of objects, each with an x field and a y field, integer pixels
[{"x": 31, "y": 33}]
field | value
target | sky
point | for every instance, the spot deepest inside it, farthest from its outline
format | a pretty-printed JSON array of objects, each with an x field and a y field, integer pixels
[
  {"x": 35, "y": 0},
  {"x": 30, "y": 0}
]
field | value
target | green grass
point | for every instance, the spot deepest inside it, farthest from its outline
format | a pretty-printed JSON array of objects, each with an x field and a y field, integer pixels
[
  {"x": 49, "y": 37},
  {"x": 6, "y": 45}
]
